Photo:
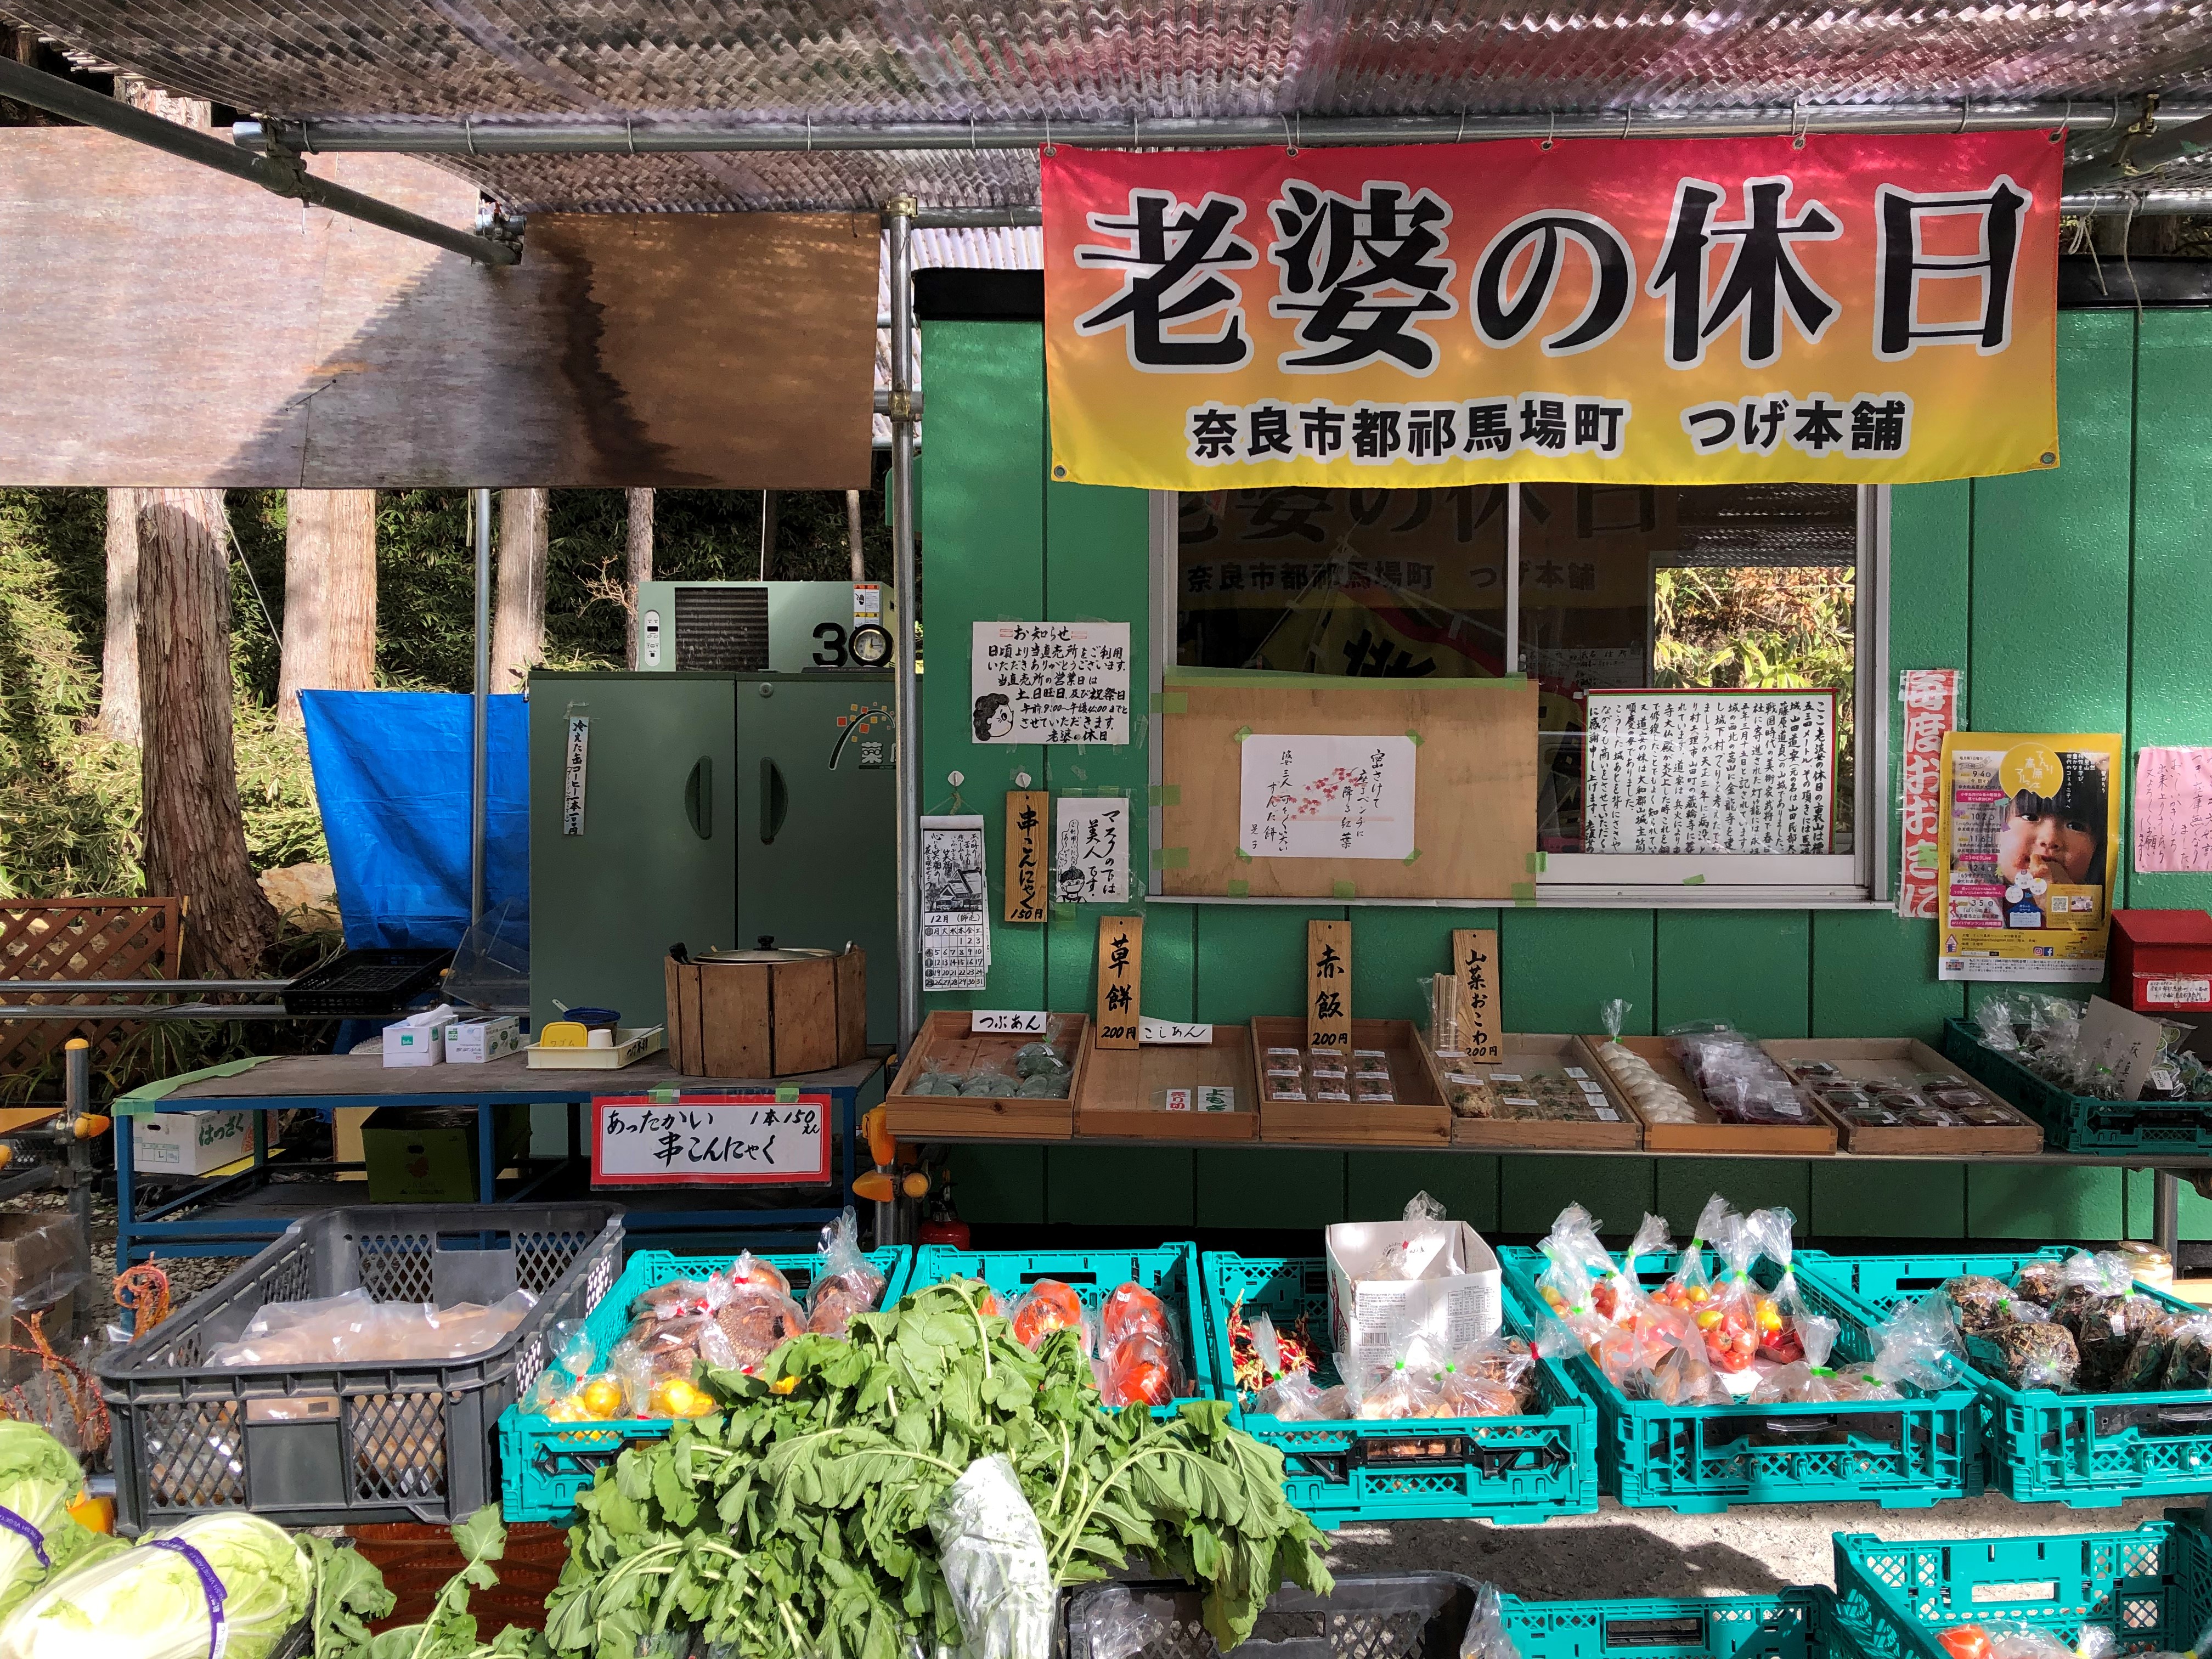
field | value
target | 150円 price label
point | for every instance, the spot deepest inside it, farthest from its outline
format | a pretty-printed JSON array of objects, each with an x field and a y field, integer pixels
[{"x": 710, "y": 1140}]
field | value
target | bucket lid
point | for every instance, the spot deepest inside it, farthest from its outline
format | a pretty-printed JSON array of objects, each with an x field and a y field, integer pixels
[{"x": 775, "y": 953}]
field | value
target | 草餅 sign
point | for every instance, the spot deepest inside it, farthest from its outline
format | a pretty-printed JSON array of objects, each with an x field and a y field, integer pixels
[{"x": 1835, "y": 309}]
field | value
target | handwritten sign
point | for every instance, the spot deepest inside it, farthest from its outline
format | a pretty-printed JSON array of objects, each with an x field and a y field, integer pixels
[
  {"x": 2121, "y": 1042},
  {"x": 572, "y": 776},
  {"x": 1328, "y": 986},
  {"x": 1120, "y": 980},
  {"x": 2173, "y": 809},
  {"x": 987, "y": 1022},
  {"x": 1091, "y": 852},
  {"x": 955, "y": 930},
  {"x": 1167, "y": 1031},
  {"x": 1930, "y": 696},
  {"x": 1474, "y": 980},
  {"x": 710, "y": 1140},
  {"x": 1314, "y": 797},
  {"x": 1025, "y": 854},
  {"x": 1709, "y": 771},
  {"x": 1050, "y": 681}
]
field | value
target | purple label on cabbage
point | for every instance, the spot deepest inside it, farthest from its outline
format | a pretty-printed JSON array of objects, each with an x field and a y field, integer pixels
[
  {"x": 210, "y": 1585},
  {"x": 30, "y": 1534}
]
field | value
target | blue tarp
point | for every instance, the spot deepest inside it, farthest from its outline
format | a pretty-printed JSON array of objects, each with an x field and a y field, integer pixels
[{"x": 392, "y": 776}]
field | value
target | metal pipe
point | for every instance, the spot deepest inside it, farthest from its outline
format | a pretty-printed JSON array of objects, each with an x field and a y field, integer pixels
[
  {"x": 480, "y": 711},
  {"x": 2165, "y": 1215},
  {"x": 76, "y": 1079},
  {"x": 883, "y": 404},
  {"x": 907, "y": 700},
  {"x": 556, "y": 135},
  {"x": 198, "y": 986},
  {"x": 2138, "y": 204},
  {"x": 2153, "y": 150},
  {"x": 137, "y": 1013},
  {"x": 275, "y": 169}
]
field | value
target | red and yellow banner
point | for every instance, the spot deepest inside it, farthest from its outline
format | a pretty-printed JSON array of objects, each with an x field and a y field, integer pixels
[{"x": 1832, "y": 310}]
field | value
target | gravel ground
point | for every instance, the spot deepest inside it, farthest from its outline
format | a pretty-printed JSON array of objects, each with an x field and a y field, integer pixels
[{"x": 1755, "y": 1549}]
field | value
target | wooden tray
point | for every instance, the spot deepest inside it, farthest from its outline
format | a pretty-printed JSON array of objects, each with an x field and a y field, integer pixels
[
  {"x": 1119, "y": 1085},
  {"x": 944, "y": 1043},
  {"x": 1709, "y": 1134},
  {"x": 1524, "y": 1052},
  {"x": 1418, "y": 1117},
  {"x": 1899, "y": 1060}
]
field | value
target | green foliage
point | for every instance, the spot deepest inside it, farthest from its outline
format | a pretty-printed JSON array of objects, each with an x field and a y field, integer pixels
[
  {"x": 795, "y": 1525},
  {"x": 349, "y": 1594}
]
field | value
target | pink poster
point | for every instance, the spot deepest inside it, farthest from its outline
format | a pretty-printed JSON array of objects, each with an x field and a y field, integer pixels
[
  {"x": 2173, "y": 809},
  {"x": 1930, "y": 696}
]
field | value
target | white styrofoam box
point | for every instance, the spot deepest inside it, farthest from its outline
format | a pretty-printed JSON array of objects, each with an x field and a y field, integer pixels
[
  {"x": 473, "y": 1042},
  {"x": 190, "y": 1143},
  {"x": 416, "y": 1041},
  {"x": 1454, "y": 1295}
]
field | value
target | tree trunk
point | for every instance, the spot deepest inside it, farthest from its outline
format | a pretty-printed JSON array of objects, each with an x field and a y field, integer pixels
[
  {"x": 640, "y": 543},
  {"x": 169, "y": 106},
  {"x": 118, "y": 657},
  {"x": 518, "y": 623},
  {"x": 330, "y": 595},
  {"x": 194, "y": 835},
  {"x": 767, "y": 531},
  {"x": 853, "y": 535}
]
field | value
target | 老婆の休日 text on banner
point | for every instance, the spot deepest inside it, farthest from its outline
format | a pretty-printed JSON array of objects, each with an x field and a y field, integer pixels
[{"x": 1841, "y": 309}]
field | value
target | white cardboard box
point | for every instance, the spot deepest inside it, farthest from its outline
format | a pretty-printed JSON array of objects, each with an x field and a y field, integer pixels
[
  {"x": 473, "y": 1042},
  {"x": 417, "y": 1041},
  {"x": 1456, "y": 1294},
  {"x": 190, "y": 1143}
]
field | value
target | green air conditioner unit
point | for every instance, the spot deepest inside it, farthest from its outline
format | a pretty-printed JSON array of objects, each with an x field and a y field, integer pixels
[{"x": 754, "y": 628}]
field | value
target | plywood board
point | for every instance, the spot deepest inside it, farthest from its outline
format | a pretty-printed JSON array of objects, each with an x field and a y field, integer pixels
[
  {"x": 803, "y": 998},
  {"x": 1417, "y": 1117},
  {"x": 1902, "y": 1060},
  {"x": 1122, "y": 1089},
  {"x": 1526, "y": 1053},
  {"x": 292, "y": 347},
  {"x": 733, "y": 1018},
  {"x": 1474, "y": 803},
  {"x": 944, "y": 1043}
]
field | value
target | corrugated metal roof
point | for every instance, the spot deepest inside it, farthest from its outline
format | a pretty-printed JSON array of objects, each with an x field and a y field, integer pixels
[{"x": 935, "y": 60}]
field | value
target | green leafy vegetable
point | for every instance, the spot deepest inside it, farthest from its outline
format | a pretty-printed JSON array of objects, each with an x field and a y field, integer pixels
[
  {"x": 39, "y": 1481},
  {"x": 349, "y": 1593},
  {"x": 793, "y": 1525},
  {"x": 148, "y": 1602}
]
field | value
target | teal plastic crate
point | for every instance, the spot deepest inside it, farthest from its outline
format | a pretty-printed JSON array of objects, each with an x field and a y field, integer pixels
[
  {"x": 2088, "y": 1450},
  {"x": 2151, "y": 1587},
  {"x": 1793, "y": 1625},
  {"x": 542, "y": 1464},
  {"x": 1171, "y": 1272},
  {"x": 1504, "y": 1470},
  {"x": 1900, "y": 1454},
  {"x": 2082, "y": 1123}
]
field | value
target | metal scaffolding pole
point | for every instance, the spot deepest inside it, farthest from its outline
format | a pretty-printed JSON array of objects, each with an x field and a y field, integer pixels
[
  {"x": 907, "y": 699},
  {"x": 480, "y": 733},
  {"x": 276, "y": 168},
  {"x": 552, "y": 135}
]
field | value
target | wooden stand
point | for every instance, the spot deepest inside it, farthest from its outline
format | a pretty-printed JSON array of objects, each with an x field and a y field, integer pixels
[
  {"x": 1526, "y": 1053},
  {"x": 1709, "y": 1134},
  {"x": 1899, "y": 1060},
  {"x": 1418, "y": 1117},
  {"x": 1118, "y": 1086},
  {"x": 945, "y": 1045}
]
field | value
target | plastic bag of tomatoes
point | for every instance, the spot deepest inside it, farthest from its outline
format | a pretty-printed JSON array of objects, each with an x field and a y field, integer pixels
[
  {"x": 1139, "y": 1361},
  {"x": 1048, "y": 1306}
]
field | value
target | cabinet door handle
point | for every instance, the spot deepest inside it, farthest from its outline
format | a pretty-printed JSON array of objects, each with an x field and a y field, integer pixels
[
  {"x": 776, "y": 801},
  {"x": 699, "y": 798}
]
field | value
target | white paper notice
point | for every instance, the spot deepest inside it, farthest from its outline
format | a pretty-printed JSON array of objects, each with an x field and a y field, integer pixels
[
  {"x": 1050, "y": 681},
  {"x": 2173, "y": 809},
  {"x": 1313, "y": 797},
  {"x": 956, "y": 929},
  {"x": 1709, "y": 771},
  {"x": 1090, "y": 851},
  {"x": 2121, "y": 1042}
]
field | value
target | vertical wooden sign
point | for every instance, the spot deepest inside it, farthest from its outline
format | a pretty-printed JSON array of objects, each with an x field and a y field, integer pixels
[
  {"x": 1027, "y": 829},
  {"x": 1328, "y": 986},
  {"x": 1474, "y": 980},
  {"x": 1120, "y": 980}
]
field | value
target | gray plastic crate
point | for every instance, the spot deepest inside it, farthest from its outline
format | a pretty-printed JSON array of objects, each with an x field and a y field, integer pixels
[
  {"x": 363, "y": 1442},
  {"x": 1415, "y": 1615}
]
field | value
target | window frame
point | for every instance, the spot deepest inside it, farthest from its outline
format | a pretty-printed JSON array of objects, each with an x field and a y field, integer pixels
[{"x": 1631, "y": 880}]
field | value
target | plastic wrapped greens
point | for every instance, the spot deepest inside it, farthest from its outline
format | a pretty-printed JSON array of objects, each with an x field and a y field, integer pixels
[
  {"x": 2039, "y": 1355},
  {"x": 2190, "y": 1364},
  {"x": 1979, "y": 1303},
  {"x": 991, "y": 1551}
]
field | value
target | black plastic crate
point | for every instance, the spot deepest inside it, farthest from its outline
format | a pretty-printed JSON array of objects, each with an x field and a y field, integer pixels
[
  {"x": 365, "y": 984},
  {"x": 1415, "y": 1615},
  {"x": 359, "y": 1442}
]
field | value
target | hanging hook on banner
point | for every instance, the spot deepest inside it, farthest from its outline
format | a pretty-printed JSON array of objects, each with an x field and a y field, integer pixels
[
  {"x": 1800, "y": 122},
  {"x": 1627, "y": 120},
  {"x": 1552, "y": 134},
  {"x": 1965, "y": 110},
  {"x": 1048, "y": 149}
]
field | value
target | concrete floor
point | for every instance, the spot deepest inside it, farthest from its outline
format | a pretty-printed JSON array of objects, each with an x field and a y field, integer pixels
[{"x": 1755, "y": 1549}]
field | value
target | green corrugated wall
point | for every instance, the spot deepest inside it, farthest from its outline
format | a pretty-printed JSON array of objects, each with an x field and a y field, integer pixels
[{"x": 2075, "y": 601}]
